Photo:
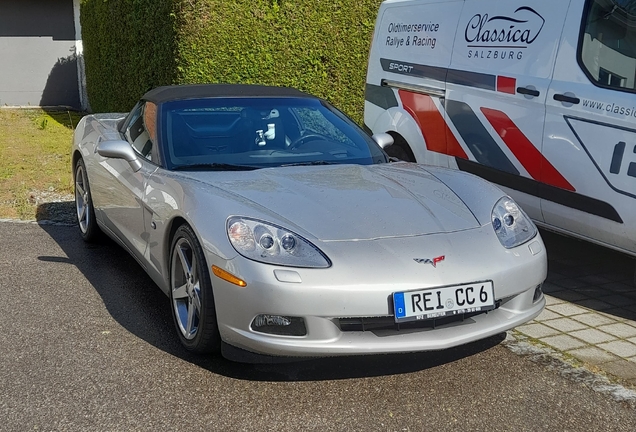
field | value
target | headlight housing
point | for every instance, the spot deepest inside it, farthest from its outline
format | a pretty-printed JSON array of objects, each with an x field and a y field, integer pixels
[
  {"x": 511, "y": 224},
  {"x": 271, "y": 244}
]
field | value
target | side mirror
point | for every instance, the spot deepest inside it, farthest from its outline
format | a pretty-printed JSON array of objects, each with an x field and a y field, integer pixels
[
  {"x": 118, "y": 149},
  {"x": 384, "y": 140}
]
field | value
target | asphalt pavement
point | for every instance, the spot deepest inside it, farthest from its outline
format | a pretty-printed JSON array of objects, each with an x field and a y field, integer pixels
[{"x": 87, "y": 343}]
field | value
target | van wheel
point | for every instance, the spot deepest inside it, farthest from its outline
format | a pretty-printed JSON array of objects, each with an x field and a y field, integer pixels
[{"x": 400, "y": 151}]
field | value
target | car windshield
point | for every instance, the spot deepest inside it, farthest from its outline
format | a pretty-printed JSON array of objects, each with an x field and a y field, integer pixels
[{"x": 256, "y": 132}]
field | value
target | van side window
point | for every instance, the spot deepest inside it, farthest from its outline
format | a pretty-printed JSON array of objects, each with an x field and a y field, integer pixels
[{"x": 608, "y": 43}]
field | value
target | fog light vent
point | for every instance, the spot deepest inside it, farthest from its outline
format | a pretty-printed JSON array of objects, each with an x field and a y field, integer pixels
[
  {"x": 537, "y": 293},
  {"x": 279, "y": 325}
]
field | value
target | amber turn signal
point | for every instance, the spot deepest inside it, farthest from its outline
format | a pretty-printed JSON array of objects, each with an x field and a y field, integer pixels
[{"x": 227, "y": 276}]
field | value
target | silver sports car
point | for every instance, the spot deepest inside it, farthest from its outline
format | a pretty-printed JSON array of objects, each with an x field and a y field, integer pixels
[{"x": 277, "y": 226}]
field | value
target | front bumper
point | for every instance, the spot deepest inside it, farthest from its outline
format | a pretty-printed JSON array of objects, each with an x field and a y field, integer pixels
[{"x": 360, "y": 284}]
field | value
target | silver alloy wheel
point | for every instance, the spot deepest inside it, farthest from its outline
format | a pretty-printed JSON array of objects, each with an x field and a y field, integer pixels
[
  {"x": 186, "y": 288},
  {"x": 82, "y": 199}
]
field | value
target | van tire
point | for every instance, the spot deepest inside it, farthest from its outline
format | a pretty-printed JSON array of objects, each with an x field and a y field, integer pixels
[{"x": 400, "y": 150}]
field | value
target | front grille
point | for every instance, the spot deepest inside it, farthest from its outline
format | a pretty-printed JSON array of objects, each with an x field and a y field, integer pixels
[{"x": 388, "y": 322}]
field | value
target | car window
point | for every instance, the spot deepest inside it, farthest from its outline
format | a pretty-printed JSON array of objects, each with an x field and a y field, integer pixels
[
  {"x": 141, "y": 132},
  {"x": 261, "y": 132},
  {"x": 313, "y": 121},
  {"x": 608, "y": 43}
]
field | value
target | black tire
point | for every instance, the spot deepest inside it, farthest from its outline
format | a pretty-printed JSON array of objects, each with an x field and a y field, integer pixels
[
  {"x": 84, "y": 205},
  {"x": 400, "y": 151},
  {"x": 191, "y": 297}
]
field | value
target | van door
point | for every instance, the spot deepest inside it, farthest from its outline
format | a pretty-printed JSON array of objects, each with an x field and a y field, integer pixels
[
  {"x": 590, "y": 134},
  {"x": 406, "y": 76},
  {"x": 503, "y": 58}
]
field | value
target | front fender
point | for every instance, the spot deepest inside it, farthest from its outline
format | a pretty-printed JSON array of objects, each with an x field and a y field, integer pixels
[{"x": 401, "y": 122}]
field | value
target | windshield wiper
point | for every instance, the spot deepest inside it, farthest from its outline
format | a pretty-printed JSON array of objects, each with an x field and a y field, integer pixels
[
  {"x": 214, "y": 167},
  {"x": 318, "y": 162}
]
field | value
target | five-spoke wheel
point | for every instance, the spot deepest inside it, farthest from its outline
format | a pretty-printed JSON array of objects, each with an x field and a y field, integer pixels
[
  {"x": 191, "y": 294},
  {"x": 84, "y": 204}
]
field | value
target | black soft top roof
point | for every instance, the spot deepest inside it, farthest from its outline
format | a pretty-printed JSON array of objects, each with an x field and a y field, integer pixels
[{"x": 197, "y": 91}]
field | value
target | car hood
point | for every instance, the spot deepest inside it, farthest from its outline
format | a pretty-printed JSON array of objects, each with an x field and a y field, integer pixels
[{"x": 351, "y": 202}]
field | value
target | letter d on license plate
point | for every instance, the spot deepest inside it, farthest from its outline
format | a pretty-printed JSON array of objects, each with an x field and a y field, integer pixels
[{"x": 443, "y": 301}]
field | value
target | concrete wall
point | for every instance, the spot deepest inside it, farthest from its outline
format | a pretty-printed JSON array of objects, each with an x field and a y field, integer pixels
[{"x": 38, "y": 53}]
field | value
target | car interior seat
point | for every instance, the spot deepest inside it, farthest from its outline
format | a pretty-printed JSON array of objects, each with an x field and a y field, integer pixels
[{"x": 181, "y": 139}]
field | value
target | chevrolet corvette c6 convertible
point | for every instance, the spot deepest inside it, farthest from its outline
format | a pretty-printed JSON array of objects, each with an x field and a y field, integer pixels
[{"x": 278, "y": 227}]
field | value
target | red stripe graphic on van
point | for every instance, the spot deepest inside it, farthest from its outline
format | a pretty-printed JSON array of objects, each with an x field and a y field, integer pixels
[
  {"x": 532, "y": 160},
  {"x": 438, "y": 136},
  {"x": 506, "y": 85}
]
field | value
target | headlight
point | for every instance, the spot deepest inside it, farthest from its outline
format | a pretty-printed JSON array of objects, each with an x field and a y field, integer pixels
[
  {"x": 271, "y": 244},
  {"x": 511, "y": 224}
]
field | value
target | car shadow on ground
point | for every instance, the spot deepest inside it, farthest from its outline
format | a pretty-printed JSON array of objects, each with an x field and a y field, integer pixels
[
  {"x": 139, "y": 306},
  {"x": 590, "y": 276}
]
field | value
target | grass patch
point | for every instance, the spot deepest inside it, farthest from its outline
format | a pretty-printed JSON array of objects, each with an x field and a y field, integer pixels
[{"x": 35, "y": 164}]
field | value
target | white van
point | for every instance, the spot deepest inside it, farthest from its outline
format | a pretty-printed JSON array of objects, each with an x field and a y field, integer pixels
[{"x": 537, "y": 96}]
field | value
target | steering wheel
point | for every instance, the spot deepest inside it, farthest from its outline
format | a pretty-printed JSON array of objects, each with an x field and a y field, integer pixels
[{"x": 301, "y": 139}]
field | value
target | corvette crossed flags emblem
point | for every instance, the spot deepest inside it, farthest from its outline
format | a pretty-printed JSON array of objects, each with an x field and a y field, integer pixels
[{"x": 432, "y": 262}]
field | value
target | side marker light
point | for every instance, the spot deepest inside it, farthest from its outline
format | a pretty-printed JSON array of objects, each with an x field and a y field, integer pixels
[{"x": 227, "y": 276}]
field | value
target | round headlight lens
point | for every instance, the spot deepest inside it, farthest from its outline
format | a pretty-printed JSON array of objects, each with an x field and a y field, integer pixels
[
  {"x": 288, "y": 242},
  {"x": 509, "y": 219},
  {"x": 511, "y": 224},
  {"x": 496, "y": 223},
  {"x": 266, "y": 241}
]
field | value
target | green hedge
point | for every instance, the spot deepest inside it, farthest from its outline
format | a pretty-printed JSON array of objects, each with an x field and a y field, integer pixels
[
  {"x": 318, "y": 46},
  {"x": 129, "y": 48}
]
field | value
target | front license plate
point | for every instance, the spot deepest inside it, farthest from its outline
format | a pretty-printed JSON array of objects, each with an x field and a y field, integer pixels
[{"x": 444, "y": 301}]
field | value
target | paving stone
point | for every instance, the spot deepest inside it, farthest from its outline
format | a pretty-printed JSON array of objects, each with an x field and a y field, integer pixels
[
  {"x": 563, "y": 342},
  {"x": 619, "y": 287},
  {"x": 621, "y": 330},
  {"x": 555, "y": 275},
  {"x": 632, "y": 359},
  {"x": 571, "y": 296},
  {"x": 592, "y": 336},
  {"x": 567, "y": 309},
  {"x": 551, "y": 300},
  {"x": 615, "y": 314},
  {"x": 570, "y": 283},
  {"x": 576, "y": 272},
  {"x": 629, "y": 314},
  {"x": 592, "y": 291},
  {"x": 547, "y": 315},
  {"x": 593, "y": 355},
  {"x": 537, "y": 330},
  {"x": 623, "y": 349},
  {"x": 567, "y": 264},
  {"x": 595, "y": 279},
  {"x": 549, "y": 287},
  {"x": 594, "y": 304},
  {"x": 565, "y": 325},
  {"x": 620, "y": 314},
  {"x": 594, "y": 319},
  {"x": 618, "y": 300},
  {"x": 621, "y": 368}
]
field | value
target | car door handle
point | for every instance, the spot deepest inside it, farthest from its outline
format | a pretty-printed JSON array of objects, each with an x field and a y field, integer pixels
[
  {"x": 528, "y": 91},
  {"x": 566, "y": 98}
]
